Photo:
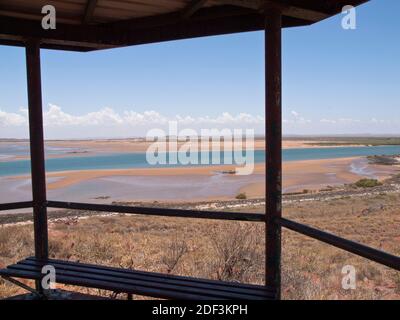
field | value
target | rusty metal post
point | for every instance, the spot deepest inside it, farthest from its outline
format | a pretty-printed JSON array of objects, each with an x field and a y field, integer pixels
[
  {"x": 37, "y": 149},
  {"x": 273, "y": 147}
]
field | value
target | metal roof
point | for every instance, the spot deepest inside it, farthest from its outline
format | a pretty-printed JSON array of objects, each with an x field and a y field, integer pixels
[{"x": 85, "y": 25}]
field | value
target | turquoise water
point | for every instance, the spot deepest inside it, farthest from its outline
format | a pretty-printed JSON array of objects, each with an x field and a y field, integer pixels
[
  {"x": 138, "y": 160},
  {"x": 9, "y": 150}
]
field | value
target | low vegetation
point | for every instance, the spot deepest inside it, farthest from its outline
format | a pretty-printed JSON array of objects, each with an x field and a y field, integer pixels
[
  {"x": 353, "y": 141},
  {"x": 228, "y": 250},
  {"x": 241, "y": 196},
  {"x": 238, "y": 255},
  {"x": 176, "y": 249},
  {"x": 384, "y": 160},
  {"x": 367, "y": 183}
]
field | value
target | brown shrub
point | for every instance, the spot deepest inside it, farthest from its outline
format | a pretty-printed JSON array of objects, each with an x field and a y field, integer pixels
[
  {"x": 237, "y": 253},
  {"x": 176, "y": 249}
]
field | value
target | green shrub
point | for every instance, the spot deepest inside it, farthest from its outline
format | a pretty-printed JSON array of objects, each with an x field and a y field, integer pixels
[
  {"x": 241, "y": 196},
  {"x": 367, "y": 183}
]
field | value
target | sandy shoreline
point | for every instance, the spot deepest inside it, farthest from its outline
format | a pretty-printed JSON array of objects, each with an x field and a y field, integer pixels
[
  {"x": 82, "y": 148},
  {"x": 297, "y": 176},
  {"x": 183, "y": 183},
  {"x": 133, "y": 145}
]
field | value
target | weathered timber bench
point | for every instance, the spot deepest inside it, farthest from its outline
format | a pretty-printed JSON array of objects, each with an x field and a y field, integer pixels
[{"x": 137, "y": 282}]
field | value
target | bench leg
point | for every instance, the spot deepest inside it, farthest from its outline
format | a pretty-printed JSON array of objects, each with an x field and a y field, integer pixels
[{"x": 23, "y": 286}]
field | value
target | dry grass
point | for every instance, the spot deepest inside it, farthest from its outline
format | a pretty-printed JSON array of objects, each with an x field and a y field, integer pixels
[
  {"x": 174, "y": 254},
  {"x": 237, "y": 254},
  {"x": 314, "y": 269},
  {"x": 15, "y": 242},
  {"x": 230, "y": 250}
]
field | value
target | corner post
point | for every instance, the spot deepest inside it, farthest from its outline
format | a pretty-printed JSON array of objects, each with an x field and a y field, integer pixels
[
  {"x": 273, "y": 147},
  {"x": 37, "y": 148}
]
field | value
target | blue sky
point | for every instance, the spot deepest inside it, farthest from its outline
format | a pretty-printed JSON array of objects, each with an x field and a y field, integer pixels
[{"x": 335, "y": 81}]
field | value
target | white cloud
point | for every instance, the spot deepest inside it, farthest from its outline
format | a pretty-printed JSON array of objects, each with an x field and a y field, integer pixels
[
  {"x": 295, "y": 123},
  {"x": 327, "y": 121},
  {"x": 296, "y": 118},
  {"x": 107, "y": 122},
  {"x": 12, "y": 119},
  {"x": 295, "y": 114},
  {"x": 147, "y": 117},
  {"x": 348, "y": 120},
  {"x": 56, "y": 117}
]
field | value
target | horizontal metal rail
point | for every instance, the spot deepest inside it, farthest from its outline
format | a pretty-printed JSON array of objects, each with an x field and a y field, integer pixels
[
  {"x": 199, "y": 214},
  {"x": 372, "y": 254},
  {"x": 369, "y": 253},
  {"x": 16, "y": 205}
]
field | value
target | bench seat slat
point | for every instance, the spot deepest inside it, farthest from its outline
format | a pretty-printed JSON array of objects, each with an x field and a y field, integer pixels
[
  {"x": 105, "y": 285},
  {"x": 132, "y": 275},
  {"x": 152, "y": 274},
  {"x": 133, "y": 283},
  {"x": 137, "y": 282}
]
